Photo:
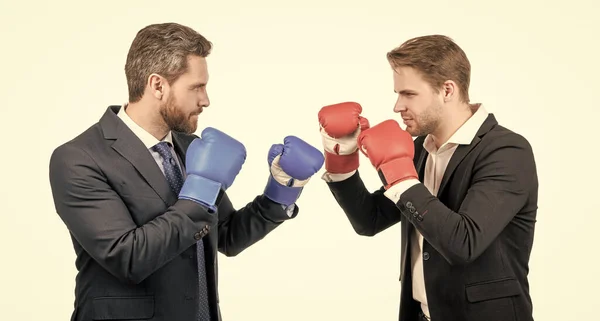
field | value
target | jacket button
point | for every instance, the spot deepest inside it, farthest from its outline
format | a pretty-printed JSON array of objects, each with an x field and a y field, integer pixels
[
  {"x": 197, "y": 236},
  {"x": 425, "y": 256}
]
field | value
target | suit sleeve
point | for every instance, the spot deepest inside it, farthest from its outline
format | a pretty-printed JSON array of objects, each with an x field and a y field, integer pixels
[
  {"x": 503, "y": 180},
  {"x": 241, "y": 228},
  {"x": 99, "y": 220},
  {"x": 368, "y": 213}
]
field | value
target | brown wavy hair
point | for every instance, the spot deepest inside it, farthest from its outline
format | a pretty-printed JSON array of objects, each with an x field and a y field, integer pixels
[
  {"x": 162, "y": 49},
  {"x": 438, "y": 58}
]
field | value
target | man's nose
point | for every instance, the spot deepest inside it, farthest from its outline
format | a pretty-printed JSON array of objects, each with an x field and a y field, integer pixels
[
  {"x": 399, "y": 107},
  {"x": 204, "y": 101}
]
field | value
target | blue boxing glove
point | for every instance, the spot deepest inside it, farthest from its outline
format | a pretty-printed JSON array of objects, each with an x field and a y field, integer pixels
[
  {"x": 292, "y": 165},
  {"x": 212, "y": 162}
]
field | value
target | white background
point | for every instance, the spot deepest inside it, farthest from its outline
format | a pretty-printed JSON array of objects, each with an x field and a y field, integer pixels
[{"x": 535, "y": 66}]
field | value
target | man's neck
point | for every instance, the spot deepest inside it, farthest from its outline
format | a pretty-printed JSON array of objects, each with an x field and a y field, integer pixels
[
  {"x": 144, "y": 115},
  {"x": 452, "y": 122}
]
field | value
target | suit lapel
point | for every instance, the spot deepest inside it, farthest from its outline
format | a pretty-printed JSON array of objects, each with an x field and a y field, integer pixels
[
  {"x": 463, "y": 150},
  {"x": 420, "y": 165},
  {"x": 180, "y": 144},
  {"x": 459, "y": 154},
  {"x": 132, "y": 149}
]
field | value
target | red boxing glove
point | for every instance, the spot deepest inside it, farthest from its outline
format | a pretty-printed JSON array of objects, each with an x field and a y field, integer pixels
[
  {"x": 340, "y": 126},
  {"x": 391, "y": 150}
]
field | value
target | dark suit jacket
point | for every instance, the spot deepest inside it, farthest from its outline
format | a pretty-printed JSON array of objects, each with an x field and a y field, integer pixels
[
  {"x": 478, "y": 232},
  {"x": 135, "y": 241}
]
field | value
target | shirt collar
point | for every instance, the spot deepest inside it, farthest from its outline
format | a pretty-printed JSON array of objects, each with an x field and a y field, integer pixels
[
  {"x": 141, "y": 133},
  {"x": 465, "y": 133}
]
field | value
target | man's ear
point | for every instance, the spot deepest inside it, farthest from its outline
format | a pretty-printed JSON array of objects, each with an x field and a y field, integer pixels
[
  {"x": 449, "y": 91},
  {"x": 157, "y": 85}
]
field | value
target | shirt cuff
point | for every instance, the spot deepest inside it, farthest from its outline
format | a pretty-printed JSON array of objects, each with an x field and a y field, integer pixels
[
  {"x": 330, "y": 178},
  {"x": 396, "y": 191},
  {"x": 289, "y": 210}
]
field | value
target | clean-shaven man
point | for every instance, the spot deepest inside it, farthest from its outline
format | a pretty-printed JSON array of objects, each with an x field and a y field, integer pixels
[{"x": 465, "y": 191}]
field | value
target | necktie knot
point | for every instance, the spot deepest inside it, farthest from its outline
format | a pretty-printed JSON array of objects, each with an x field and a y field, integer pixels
[{"x": 163, "y": 148}]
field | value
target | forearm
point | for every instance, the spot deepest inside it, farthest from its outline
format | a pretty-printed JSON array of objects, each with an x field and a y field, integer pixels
[
  {"x": 460, "y": 237},
  {"x": 291, "y": 166},
  {"x": 453, "y": 235},
  {"x": 133, "y": 253},
  {"x": 102, "y": 224},
  {"x": 136, "y": 254},
  {"x": 239, "y": 229},
  {"x": 368, "y": 213}
]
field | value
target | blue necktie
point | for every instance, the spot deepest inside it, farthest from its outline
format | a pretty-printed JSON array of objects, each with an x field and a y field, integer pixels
[{"x": 175, "y": 179}]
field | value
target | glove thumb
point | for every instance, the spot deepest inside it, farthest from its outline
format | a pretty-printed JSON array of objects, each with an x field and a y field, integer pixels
[
  {"x": 359, "y": 143},
  {"x": 274, "y": 151},
  {"x": 363, "y": 123},
  {"x": 194, "y": 151}
]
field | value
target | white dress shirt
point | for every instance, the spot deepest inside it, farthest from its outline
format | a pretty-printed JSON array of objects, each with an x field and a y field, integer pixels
[
  {"x": 435, "y": 166},
  {"x": 148, "y": 140}
]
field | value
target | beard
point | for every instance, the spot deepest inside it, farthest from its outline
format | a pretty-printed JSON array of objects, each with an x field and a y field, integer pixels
[
  {"x": 427, "y": 122},
  {"x": 175, "y": 119}
]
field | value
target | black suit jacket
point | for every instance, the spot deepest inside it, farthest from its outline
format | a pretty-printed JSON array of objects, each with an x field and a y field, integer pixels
[
  {"x": 135, "y": 241},
  {"x": 478, "y": 231}
]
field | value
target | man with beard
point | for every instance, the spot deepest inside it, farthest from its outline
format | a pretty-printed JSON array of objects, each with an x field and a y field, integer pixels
[
  {"x": 465, "y": 191},
  {"x": 144, "y": 199}
]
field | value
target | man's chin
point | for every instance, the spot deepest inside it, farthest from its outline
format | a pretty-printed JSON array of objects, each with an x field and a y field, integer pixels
[
  {"x": 189, "y": 128},
  {"x": 416, "y": 132},
  {"x": 193, "y": 124},
  {"x": 411, "y": 130}
]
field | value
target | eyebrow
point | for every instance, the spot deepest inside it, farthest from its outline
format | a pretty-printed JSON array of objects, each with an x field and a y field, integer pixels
[
  {"x": 198, "y": 84},
  {"x": 405, "y": 91}
]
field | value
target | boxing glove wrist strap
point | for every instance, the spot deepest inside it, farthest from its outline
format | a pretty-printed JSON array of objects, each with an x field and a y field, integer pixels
[
  {"x": 340, "y": 164},
  {"x": 396, "y": 171},
  {"x": 284, "y": 195},
  {"x": 202, "y": 191}
]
